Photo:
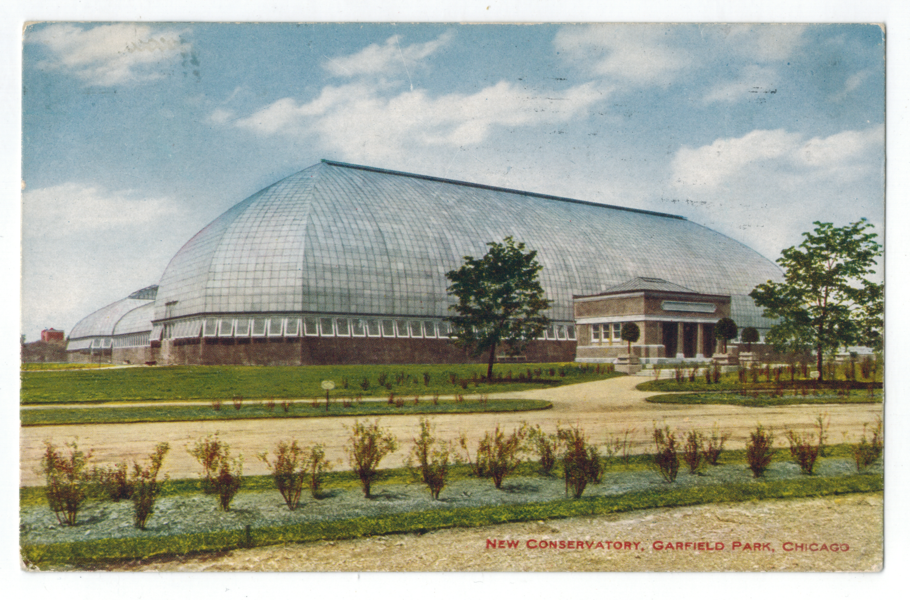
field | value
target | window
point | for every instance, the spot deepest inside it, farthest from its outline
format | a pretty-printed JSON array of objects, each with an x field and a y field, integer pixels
[
  {"x": 275, "y": 327},
  {"x": 415, "y": 329},
  {"x": 210, "y": 328},
  {"x": 402, "y": 327},
  {"x": 551, "y": 334},
  {"x": 617, "y": 331},
  {"x": 373, "y": 328},
  {"x": 241, "y": 330},
  {"x": 326, "y": 326},
  {"x": 342, "y": 327},
  {"x": 561, "y": 332},
  {"x": 388, "y": 328},
  {"x": 259, "y": 327},
  {"x": 445, "y": 329},
  {"x": 429, "y": 329},
  {"x": 226, "y": 328},
  {"x": 293, "y": 328},
  {"x": 571, "y": 331},
  {"x": 595, "y": 333},
  {"x": 358, "y": 327},
  {"x": 310, "y": 326}
]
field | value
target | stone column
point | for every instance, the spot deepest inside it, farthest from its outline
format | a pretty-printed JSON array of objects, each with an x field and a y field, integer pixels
[
  {"x": 700, "y": 345},
  {"x": 680, "y": 347}
]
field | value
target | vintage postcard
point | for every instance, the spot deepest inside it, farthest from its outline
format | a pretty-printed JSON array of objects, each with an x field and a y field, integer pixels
[{"x": 451, "y": 297}]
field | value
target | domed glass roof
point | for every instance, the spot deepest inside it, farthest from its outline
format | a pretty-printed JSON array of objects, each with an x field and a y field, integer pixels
[{"x": 338, "y": 238}]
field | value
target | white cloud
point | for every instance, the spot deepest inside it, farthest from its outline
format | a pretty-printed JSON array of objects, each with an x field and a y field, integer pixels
[
  {"x": 754, "y": 82},
  {"x": 220, "y": 116},
  {"x": 72, "y": 209},
  {"x": 853, "y": 82},
  {"x": 638, "y": 54},
  {"x": 360, "y": 122},
  {"x": 760, "y": 43},
  {"x": 108, "y": 55},
  {"x": 390, "y": 57}
]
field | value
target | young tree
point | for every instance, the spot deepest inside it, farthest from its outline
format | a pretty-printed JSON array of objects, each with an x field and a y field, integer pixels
[
  {"x": 630, "y": 333},
  {"x": 367, "y": 446},
  {"x": 750, "y": 336},
  {"x": 500, "y": 301},
  {"x": 826, "y": 299},
  {"x": 725, "y": 330}
]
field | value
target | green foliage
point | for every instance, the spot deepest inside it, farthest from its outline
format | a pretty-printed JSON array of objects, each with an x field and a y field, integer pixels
[
  {"x": 581, "y": 462},
  {"x": 665, "y": 457},
  {"x": 67, "y": 481},
  {"x": 430, "y": 459},
  {"x": 222, "y": 475},
  {"x": 630, "y": 333},
  {"x": 714, "y": 445},
  {"x": 367, "y": 446},
  {"x": 288, "y": 471},
  {"x": 146, "y": 487},
  {"x": 750, "y": 336},
  {"x": 826, "y": 300},
  {"x": 498, "y": 455},
  {"x": 802, "y": 451},
  {"x": 113, "y": 481},
  {"x": 545, "y": 445},
  {"x": 866, "y": 452},
  {"x": 499, "y": 300},
  {"x": 768, "y": 398},
  {"x": 759, "y": 451},
  {"x": 725, "y": 330},
  {"x": 693, "y": 452}
]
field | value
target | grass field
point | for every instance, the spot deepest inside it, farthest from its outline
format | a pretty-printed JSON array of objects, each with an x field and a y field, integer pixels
[
  {"x": 764, "y": 399},
  {"x": 225, "y": 382},
  {"x": 205, "y": 412}
]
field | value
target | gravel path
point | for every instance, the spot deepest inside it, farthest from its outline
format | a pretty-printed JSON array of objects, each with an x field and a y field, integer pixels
[
  {"x": 603, "y": 408},
  {"x": 773, "y": 530}
]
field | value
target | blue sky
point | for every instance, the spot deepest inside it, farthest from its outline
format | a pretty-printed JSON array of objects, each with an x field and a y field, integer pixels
[{"x": 135, "y": 136}]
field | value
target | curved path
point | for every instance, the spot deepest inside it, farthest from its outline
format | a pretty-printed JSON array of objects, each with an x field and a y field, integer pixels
[{"x": 604, "y": 409}]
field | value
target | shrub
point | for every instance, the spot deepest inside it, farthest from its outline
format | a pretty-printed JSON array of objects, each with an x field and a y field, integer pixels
[
  {"x": 113, "y": 482},
  {"x": 714, "y": 445},
  {"x": 367, "y": 446},
  {"x": 666, "y": 457},
  {"x": 270, "y": 404},
  {"x": 621, "y": 446},
  {"x": 426, "y": 378},
  {"x": 222, "y": 475},
  {"x": 146, "y": 487},
  {"x": 316, "y": 466},
  {"x": 693, "y": 453},
  {"x": 759, "y": 450},
  {"x": 67, "y": 481},
  {"x": 580, "y": 460},
  {"x": 286, "y": 405},
  {"x": 725, "y": 330},
  {"x": 822, "y": 424},
  {"x": 866, "y": 452},
  {"x": 498, "y": 455},
  {"x": 383, "y": 379},
  {"x": 365, "y": 384},
  {"x": 238, "y": 402},
  {"x": 432, "y": 459},
  {"x": 288, "y": 471},
  {"x": 749, "y": 337},
  {"x": 802, "y": 450},
  {"x": 216, "y": 404},
  {"x": 546, "y": 446}
]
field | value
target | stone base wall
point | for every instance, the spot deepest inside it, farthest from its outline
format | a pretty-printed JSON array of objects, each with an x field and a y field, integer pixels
[
  {"x": 338, "y": 351},
  {"x": 132, "y": 356}
]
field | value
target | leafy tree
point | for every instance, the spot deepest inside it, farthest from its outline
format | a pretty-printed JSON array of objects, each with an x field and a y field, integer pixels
[
  {"x": 500, "y": 301},
  {"x": 630, "y": 333},
  {"x": 826, "y": 299},
  {"x": 750, "y": 336},
  {"x": 725, "y": 330}
]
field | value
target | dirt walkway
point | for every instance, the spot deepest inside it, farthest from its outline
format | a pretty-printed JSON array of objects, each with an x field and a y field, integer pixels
[
  {"x": 603, "y": 408},
  {"x": 782, "y": 535}
]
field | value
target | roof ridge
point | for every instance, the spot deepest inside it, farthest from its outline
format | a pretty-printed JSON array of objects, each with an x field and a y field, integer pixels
[{"x": 494, "y": 188}]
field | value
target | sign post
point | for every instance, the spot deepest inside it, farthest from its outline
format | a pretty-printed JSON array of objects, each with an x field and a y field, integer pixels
[{"x": 327, "y": 385}]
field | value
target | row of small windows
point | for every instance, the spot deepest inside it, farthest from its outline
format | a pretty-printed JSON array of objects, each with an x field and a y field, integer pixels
[
  {"x": 322, "y": 326},
  {"x": 606, "y": 332}
]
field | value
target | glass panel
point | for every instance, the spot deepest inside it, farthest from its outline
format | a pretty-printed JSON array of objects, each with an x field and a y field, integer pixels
[
  {"x": 326, "y": 326},
  {"x": 310, "y": 326},
  {"x": 227, "y": 328},
  {"x": 358, "y": 328},
  {"x": 415, "y": 329},
  {"x": 561, "y": 332},
  {"x": 342, "y": 327},
  {"x": 388, "y": 328},
  {"x": 551, "y": 335},
  {"x": 242, "y": 329},
  {"x": 275, "y": 328},
  {"x": 571, "y": 330},
  {"x": 156, "y": 333},
  {"x": 445, "y": 328},
  {"x": 211, "y": 325},
  {"x": 293, "y": 328},
  {"x": 259, "y": 327},
  {"x": 595, "y": 333},
  {"x": 429, "y": 329},
  {"x": 402, "y": 327},
  {"x": 194, "y": 328},
  {"x": 617, "y": 331},
  {"x": 373, "y": 328}
]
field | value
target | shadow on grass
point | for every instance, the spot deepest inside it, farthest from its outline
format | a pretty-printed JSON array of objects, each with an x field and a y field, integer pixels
[{"x": 520, "y": 488}]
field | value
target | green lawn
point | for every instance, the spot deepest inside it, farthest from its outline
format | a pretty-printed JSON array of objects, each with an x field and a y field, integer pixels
[
  {"x": 225, "y": 382},
  {"x": 764, "y": 399},
  {"x": 206, "y": 412}
]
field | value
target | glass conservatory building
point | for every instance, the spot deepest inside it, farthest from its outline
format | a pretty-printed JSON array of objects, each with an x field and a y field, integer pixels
[{"x": 346, "y": 264}]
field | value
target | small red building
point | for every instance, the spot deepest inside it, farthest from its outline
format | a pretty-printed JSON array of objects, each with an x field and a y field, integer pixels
[{"x": 52, "y": 335}]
